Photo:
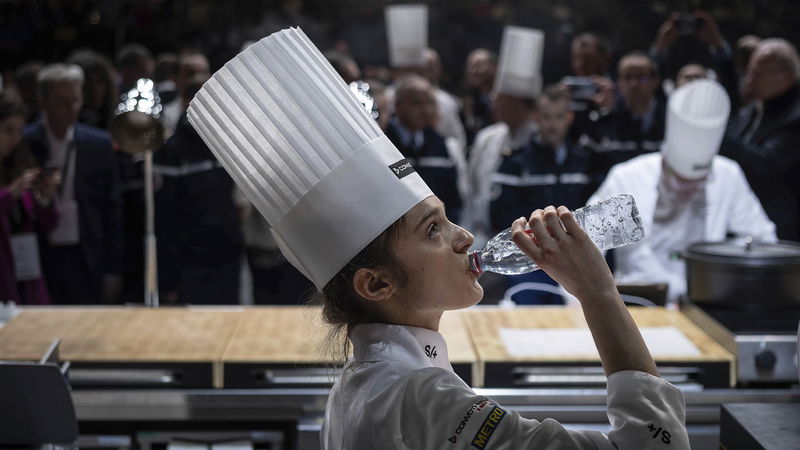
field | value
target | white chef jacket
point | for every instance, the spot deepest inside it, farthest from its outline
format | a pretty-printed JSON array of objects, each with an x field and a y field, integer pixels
[
  {"x": 484, "y": 160},
  {"x": 731, "y": 206},
  {"x": 400, "y": 392}
]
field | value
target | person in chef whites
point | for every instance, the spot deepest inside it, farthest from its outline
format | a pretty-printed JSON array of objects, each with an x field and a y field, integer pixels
[
  {"x": 686, "y": 193},
  {"x": 357, "y": 220}
]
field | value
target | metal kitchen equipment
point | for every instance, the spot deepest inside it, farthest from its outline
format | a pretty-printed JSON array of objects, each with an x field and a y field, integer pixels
[
  {"x": 752, "y": 291},
  {"x": 137, "y": 130}
]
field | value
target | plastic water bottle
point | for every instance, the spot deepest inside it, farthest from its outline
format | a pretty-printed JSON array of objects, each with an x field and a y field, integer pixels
[{"x": 610, "y": 224}]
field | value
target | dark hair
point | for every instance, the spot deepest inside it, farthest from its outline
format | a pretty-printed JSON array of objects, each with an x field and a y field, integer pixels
[
  {"x": 654, "y": 69},
  {"x": 342, "y": 307},
  {"x": 555, "y": 93},
  {"x": 10, "y": 105},
  {"x": 131, "y": 55},
  {"x": 20, "y": 159}
]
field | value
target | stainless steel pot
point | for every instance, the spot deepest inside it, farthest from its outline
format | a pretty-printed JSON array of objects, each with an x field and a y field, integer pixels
[{"x": 744, "y": 273}]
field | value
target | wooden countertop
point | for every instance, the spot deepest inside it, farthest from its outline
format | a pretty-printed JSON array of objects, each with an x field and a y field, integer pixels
[
  {"x": 120, "y": 334},
  {"x": 484, "y": 324},
  {"x": 295, "y": 334}
]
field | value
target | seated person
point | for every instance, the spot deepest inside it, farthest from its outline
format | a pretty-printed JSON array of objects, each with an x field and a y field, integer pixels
[
  {"x": 550, "y": 170},
  {"x": 686, "y": 193}
]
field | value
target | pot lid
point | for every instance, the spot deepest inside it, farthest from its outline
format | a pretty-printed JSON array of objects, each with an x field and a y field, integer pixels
[{"x": 747, "y": 251}]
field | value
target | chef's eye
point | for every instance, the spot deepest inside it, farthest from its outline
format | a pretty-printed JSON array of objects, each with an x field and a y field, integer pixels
[{"x": 433, "y": 229}]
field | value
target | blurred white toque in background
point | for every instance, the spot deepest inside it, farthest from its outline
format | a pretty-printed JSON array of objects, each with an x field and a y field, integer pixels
[
  {"x": 305, "y": 152},
  {"x": 520, "y": 64},
  {"x": 406, "y": 34},
  {"x": 697, "y": 114}
]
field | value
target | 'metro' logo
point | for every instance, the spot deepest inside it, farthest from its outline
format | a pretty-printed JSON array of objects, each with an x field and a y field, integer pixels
[
  {"x": 487, "y": 428},
  {"x": 402, "y": 168}
]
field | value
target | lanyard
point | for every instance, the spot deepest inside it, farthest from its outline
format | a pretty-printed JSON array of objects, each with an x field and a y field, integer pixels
[{"x": 65, "y": 168}]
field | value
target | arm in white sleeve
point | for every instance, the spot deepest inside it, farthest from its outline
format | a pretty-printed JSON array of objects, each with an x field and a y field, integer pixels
[{"x": 439, "y": 411}]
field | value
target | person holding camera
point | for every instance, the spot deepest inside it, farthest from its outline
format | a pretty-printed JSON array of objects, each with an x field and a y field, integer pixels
[
  {"x": 634, "y": 124},
  {"x": 686, "y": 37},
  {"x": 26, "y": 207}
]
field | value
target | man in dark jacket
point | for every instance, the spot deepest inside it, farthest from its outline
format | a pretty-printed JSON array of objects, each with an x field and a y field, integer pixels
[
  {"x": 764, "y": 138},
  {"x": 81, "y": 258},
  {"x": 198, "y": 226}
]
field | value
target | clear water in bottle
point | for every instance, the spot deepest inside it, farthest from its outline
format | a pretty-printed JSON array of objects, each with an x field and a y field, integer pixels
[{"x": 610, "y": 224}]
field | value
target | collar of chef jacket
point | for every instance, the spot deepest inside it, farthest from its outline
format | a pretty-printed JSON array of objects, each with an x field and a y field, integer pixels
[{"x": 418, "y": 347}]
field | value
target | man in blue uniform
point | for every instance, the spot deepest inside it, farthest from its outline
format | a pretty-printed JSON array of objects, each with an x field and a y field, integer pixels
[
  {"x": 439, "y": 162},
  {"x": 550, "y": 170}
]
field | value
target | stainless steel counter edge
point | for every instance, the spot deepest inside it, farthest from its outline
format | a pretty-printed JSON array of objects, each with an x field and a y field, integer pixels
[{"x": 293, "y": 404}]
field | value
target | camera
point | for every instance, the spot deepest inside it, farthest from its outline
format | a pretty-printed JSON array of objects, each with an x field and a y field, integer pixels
[{"x": 581, "y": 88}]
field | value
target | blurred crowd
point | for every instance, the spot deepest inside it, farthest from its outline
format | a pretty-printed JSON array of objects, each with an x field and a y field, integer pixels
[{"x": 72, "y": 200}]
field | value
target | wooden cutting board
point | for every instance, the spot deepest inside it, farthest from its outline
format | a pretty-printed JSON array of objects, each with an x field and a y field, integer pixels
[
  {"x": 120, "y": 334},
  {"x": 484, "y": 324}
]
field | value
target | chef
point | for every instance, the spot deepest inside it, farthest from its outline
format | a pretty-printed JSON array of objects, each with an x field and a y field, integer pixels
[
  {"x": 686, "y": 193},
  {"x": 358, "y": 221}
]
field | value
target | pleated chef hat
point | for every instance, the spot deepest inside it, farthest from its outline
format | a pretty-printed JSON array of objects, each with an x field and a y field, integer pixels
[
  {"x": 305, "y": 152},
  {"x": 697, "y": 114},
  {"x": 407, "y": 34},
  {"x": 520, "y": 63}
]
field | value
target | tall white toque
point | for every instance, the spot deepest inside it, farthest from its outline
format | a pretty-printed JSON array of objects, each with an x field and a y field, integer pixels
[
  {"x": 520, "y": 65},
  {"x": 305, "y": 152},
  {"x": 697, "y": 114},
  {"x": 407, "y": 34}
]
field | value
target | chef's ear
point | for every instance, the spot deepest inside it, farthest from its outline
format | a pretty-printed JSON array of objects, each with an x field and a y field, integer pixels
[{"x": 373, "y": 284}]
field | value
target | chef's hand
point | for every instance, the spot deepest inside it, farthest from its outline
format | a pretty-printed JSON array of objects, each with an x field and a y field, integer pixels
[{"x": 565, "y": 252}]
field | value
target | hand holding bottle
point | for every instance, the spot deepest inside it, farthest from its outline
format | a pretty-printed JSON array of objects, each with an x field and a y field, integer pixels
[
  {"x": 562, "y": 249},
  {"x": 566, "y": 253}
]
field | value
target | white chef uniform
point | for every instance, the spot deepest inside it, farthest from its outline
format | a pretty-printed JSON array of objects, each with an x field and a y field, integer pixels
[
  {"x": 400, "y": 392},
  {"x": 697, "y": 115}
]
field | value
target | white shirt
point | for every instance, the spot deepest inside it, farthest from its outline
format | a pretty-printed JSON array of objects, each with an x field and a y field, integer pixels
[
  {"x": 57, "y": 153},
  {"x": 730, "y": 206},
  {"x": 400, "y": 392}
]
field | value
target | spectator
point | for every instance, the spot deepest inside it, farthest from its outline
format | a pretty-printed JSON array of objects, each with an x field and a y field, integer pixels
[
  {"x": 191, "y": 63},
  {"x": 165, "y": 75},
  {"x": 690, "y": 72},
  {"x": 100, "y": 94},
  {"x": 81, "y": 257},
  {"x": 134, "y": 61},
  {"x": 478, "y": 82},
  {"x": 765, "y": 135},
  {"x": 25, "y": 78},
  {"x": 550, "y": 170},
  {"x": 590, "y": 56},
  {"x": 438, "y": 161},
  {"x": 449, "y": 121},
  {"x": 197, "y": 221},
  {"x": 345, "y": 65},
  {"x": 685, "y": 193},
  {"x": 635, "y": 123},
  {"x": 26, "y": 208},
  {"x": 686, "y": 37}
]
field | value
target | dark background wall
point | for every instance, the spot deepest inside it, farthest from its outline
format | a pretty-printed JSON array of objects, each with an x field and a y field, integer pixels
[{"x": 49, "y": 30}]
